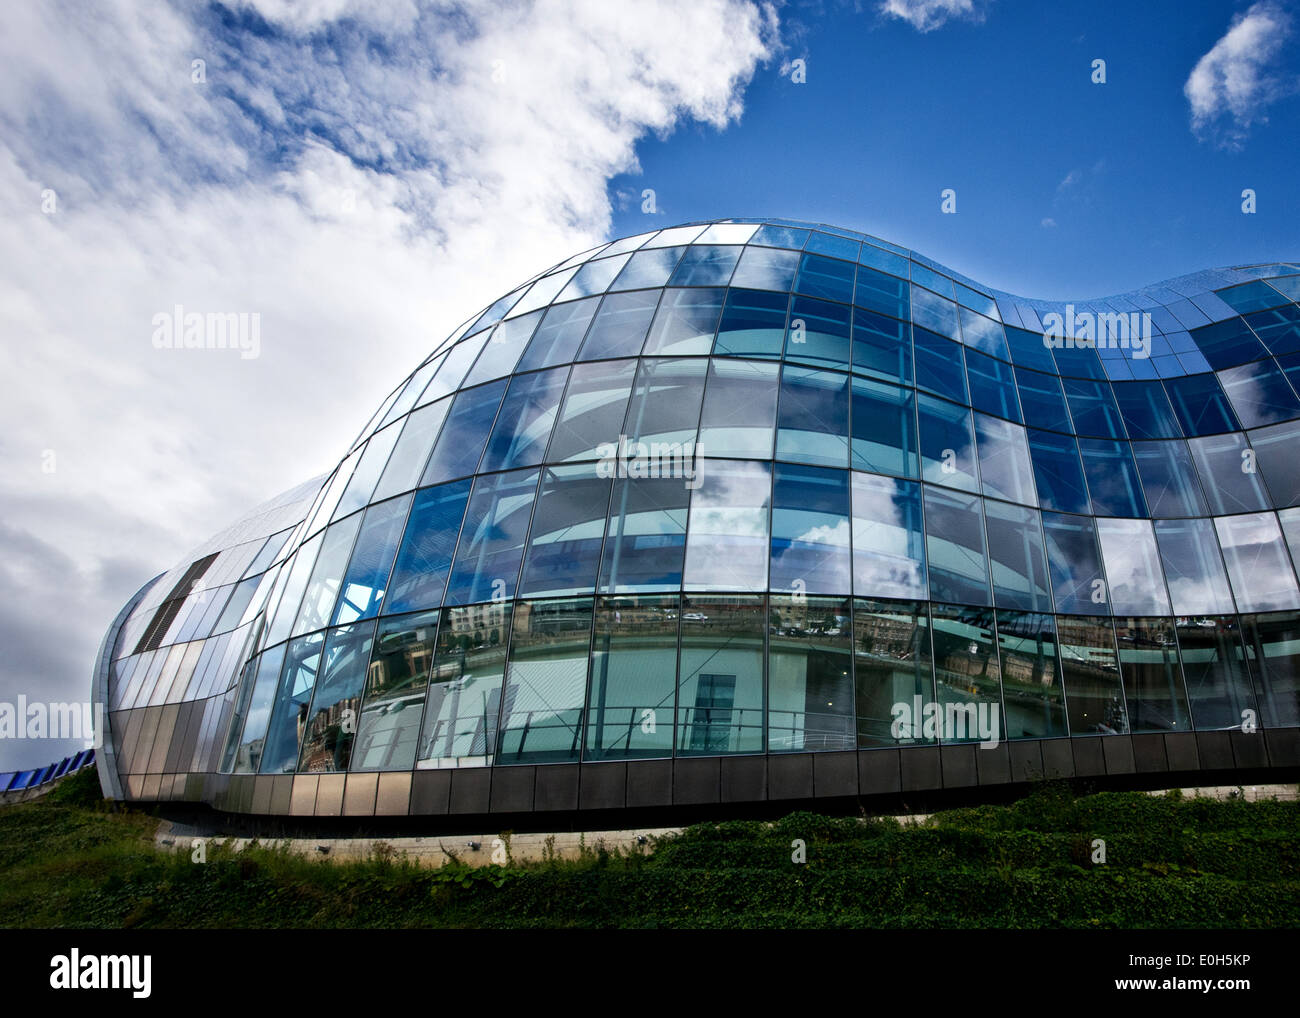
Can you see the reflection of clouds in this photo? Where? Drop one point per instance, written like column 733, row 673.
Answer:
column 1261, row 576
column 727, row 546
column 1128, row 549
column 1249, row 394
column 886, row 553
column 764, row 269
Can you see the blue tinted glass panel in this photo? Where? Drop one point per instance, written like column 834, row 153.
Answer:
column 882, row 347
column 301, row 664
column 567, row 531
column 1200, row 405
column 703, row 265
column 1028, row 350
column 888, row 538
column 645, row 542
column 420, row 572
column 1078, row 361
column 1016, row 557
column 1193, row 568
column 780, row 236
column 411, row 452
column 810, row 530
column 664, row 412
column 524, row 425
column 1227, row 343
column 492, row 538
column 1113, row 479
column 1259, row 393
column 1077, row 582
column 992, row 386
column 1250, row 297
column 753, row 324
column 1169, row 479
column 620, row 326
column 1093, row 408
column 813, row 417
column 1259, row 567
column 983, row 334
column 1134, row 579
column 739, row 414
column 594, row 407
column 934, row 313
column 1229, row 474
column 372, row 560
column 1279, row 329
column 1005, row 469
column 836, row 247
column 1146, row 410
column 466, row 433
column 818, row 333
column 947, row 443
column 763, row 268
column 954, row 546
column 825, row 277
column 940, row 365
column 1058, row 472
column 727, row 543
column 503, row 349
column 1275, row 453
column 557, row 339
column 685, row 322
column 886, row 295
column 647, row 268
column 884, row 429
column 1042, row 400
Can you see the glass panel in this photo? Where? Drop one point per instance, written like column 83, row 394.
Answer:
column 620, row 326
column 1192, row 566
column 465, row 434
column 372, row 559
column 739, row 416
column 810, row 530
column 293, row 578
column 720, row 675
column 420, row 573
column 1279, row 328
column 1112, row 478
column 1029, row 349
column 1273, row 649
column 992, row 386
column 882, row 347
column 1200, row 405
column 1260, row 394
column 558, row 337
column 703, row 265
column 593, row 410
column 568, row 529
column 289, row 713
column 727, row 541
column 940, row 365
column 594, row 277
column 326, row 578
column 766, row 269
column 1043, row 400
column 780, row 236
column 1146, row 410
column 647, row 268
column 645, row 544
column 1093, row 695
column 454, row 368
column 685, row 323
column 1005, row 469
column 1153, row 680
column 967, row 676
column 332, row 719
column 1169, row 479
column 884, row 429
column 894, row 678
column 412, row 450
column 947, row 443
column 1058, row 474
column 1017, row 557
column 502, row 351
column 934, row 313
column 633, row 678
column 1258, row 564
column 524, row 425
column 752, row 325
column 1031, row 676
column 1227, row 342
column 954, row 544
column 367, row 473
column 1093, row 408
column 1276, row 459
column 546, row 681
column 1214, row 666
column 813, row 417
column 1077, row 582
column 1229, row 473
column 810, row 677
column 983, row 334
column 665, row 408
column 492, row 538
column 1128, row 549
column 464, row 703
column 248, row 757
column 825, row 277
column 888, row 539
column 389, row 727
column 878, row 292
column 818, row 333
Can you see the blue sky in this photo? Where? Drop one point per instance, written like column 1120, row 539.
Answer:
column 364, row 175
column 1003, row 111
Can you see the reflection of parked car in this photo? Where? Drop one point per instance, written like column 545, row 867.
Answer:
column 695, row 617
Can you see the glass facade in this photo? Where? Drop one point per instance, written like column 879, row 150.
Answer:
column 765, row 488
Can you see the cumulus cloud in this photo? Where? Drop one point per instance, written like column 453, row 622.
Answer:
column 927, row 15
column 1231, row 85
column 362, row 176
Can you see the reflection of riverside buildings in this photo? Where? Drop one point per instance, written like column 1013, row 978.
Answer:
column 912, row 495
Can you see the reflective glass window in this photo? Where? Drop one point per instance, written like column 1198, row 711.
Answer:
column 882, row 347
column 648, row 267
column 780, row 236
column 464, row 699
column 1273, row 650
column 1017, row 557
column 685, row 323
column 465, row 434
column 1058, row 472
column 372, row 560
column 454, row 368
column 332, row 718
column 1078, row 361
column 420, row 572
column 838, row 247
column 503, row 350
column 706, row 265
column 884, row 429
column 1113, row 479
column 1200, row 405
column 594, row 406
column 523, row 427
column 825, row 277
column 1153, row 679
column 753, row 324
column 567, row 532
column 388, row 728
column 1133, row 576
column 739, row 414
column 366, row 476
column 557, row 339
column 1077, row 582
column 983, row 334
column 1169, row 479
column 720, row 675
column 594, row 277
column 954, row 545
column 327, row 577
column 1094, row 696
column 818, row 333
column 727, row 540
column 884, row 294
column 763, row 268
column 934, row 313
column 1193, row 568
column 645, row 542
column 967, row 674
column 247, row 756
column 1258, row 564
column 888, row 538
column 1032, row 690
column 546, row 681
column 893, row 672
column 1042, row 400
column 633, row 678
column 1092, row 408
column 1145, row 409
column 1275, row 455
column 810, row 674
column 810, row 530
column 1219, row 691
column 293, row 581
column 940, row 365
column 620, row 326
column 1005, row 468
column 947, row 443
column 1259, row 393
column 1279, row 329
column 289, row 712
column 411, row 452
column 492, row 538
column 1228, row 342
column 813, row 417
column 1229, row 474
column 665, row 408
column 1029, row 350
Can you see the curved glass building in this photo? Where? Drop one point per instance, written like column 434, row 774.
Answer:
column 754, row 511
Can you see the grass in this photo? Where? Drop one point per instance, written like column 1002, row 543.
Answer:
column 71, row 860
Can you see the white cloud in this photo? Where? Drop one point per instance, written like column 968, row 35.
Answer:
column 357, row 174
column 927, row 15
column 1231, row 85
column 1048, row 223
